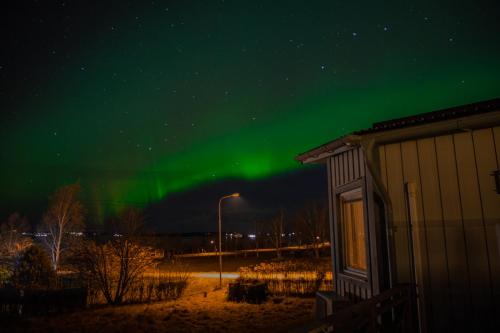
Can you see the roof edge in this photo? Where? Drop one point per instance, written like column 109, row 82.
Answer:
column 318, row 154
column 433, row 116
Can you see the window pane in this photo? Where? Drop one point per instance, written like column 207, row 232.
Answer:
column 354, row 234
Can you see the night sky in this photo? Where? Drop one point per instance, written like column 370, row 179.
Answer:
column 158, row 103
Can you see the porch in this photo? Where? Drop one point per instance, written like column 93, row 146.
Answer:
column 393, row 310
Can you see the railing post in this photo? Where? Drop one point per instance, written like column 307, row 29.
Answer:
column 373, row 315
column 412, row 309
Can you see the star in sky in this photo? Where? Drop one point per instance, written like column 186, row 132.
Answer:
column 302, row 69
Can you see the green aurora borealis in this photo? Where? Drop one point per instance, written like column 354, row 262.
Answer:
column 146, row 101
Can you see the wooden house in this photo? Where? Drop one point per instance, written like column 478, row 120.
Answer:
column 416, row 201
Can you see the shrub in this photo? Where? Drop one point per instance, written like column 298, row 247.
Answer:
column 12, row 245
column 5, row 273
column 247, row 291
column 33, row 270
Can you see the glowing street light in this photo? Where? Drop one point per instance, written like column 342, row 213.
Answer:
column 234, row 195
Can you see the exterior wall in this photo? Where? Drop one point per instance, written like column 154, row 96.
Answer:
column 347, row 167
column 346, row 171
column 443, row 186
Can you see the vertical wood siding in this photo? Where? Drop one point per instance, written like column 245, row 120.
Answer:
column 345, row 168
column 434, row 230
column 411, row 174
column 484, row 144
column 399, row 225
column 348, row 167
column 454, row 231
column 456, row 224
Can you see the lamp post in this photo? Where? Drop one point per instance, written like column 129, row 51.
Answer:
column 234, row 195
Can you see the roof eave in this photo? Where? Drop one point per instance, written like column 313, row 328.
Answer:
column 451, row 126
column 319, row 154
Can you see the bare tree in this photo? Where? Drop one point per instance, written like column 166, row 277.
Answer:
column 116, row 266
column 313, row 226
column 63, row 218
column 12, row 242
column 129, row 224
column 277, row 230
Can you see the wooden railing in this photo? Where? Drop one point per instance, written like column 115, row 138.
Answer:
column 391, row 311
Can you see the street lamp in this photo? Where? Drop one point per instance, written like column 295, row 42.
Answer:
column 234, row 195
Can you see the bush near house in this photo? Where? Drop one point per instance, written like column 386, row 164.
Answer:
column 33, row 288
column 247, row 291
column 33, row 270
column 29, row 302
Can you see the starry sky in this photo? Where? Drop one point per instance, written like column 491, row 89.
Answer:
column 144, row 101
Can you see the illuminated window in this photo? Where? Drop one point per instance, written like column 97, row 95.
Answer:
column 353, row 231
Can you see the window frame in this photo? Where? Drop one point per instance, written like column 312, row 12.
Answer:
column 352, row 193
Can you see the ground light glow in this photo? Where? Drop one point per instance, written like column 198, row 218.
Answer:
column 163, row 97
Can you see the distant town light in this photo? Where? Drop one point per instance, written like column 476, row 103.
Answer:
column 252, row 236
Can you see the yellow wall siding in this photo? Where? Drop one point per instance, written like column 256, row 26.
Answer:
column 493, row 231
column 474, row 227
column 457, row 222
column 454, row 230
column 412, row 176
column 436, row 240
column 395, row 188
column 486, row 162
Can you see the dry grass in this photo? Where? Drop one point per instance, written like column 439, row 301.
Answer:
column 291, row 277
column 191, row 313
column 151, row 286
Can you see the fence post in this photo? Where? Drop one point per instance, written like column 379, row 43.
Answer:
column 20, row 304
